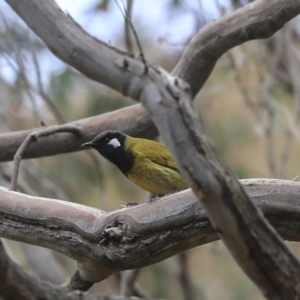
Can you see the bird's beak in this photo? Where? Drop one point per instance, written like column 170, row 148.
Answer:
column 88, row 144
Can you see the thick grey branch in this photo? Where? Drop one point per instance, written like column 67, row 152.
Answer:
column 93, row 58
column 67, row 40
column 248, row 236
column 104, row 243
column 253, row 242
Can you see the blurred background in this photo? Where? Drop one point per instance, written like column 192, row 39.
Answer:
column 250, row 107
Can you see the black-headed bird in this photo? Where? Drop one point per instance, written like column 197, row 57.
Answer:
column 146, row 163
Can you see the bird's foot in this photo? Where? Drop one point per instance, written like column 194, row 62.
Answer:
column 154, row 199
column 128, row 204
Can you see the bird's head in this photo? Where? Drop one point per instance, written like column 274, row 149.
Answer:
column 108, row 143
column 112, row 145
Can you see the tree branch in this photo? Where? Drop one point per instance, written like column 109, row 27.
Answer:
column 127, row 33
column 257, row 20
column 66, row 39
column 33, row 137
column 104, row 243
column 252, row 241
column 254, row 244
column 70, row 43
column 133, row 120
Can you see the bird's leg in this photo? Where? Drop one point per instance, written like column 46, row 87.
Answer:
column 153, row 199
column 128, row 204
column 158, row 197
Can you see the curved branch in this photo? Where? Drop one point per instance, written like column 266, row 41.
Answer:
column 104, row 243
column 244, row 230
column 70, row 43
column 91, row 57
column 33, row 137
column 252, row 241
column 258, row 20
column 133, row 120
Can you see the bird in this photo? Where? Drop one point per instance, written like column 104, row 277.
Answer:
column 146, row 163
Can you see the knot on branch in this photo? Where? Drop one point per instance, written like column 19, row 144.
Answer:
column 114, row 232
column 177, row 87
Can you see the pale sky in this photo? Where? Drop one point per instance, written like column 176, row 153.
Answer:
column 150, row 13
column 149, row 16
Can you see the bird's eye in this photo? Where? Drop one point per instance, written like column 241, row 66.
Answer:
column 106, row 140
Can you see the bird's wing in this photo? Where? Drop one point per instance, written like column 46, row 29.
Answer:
column 157, row 153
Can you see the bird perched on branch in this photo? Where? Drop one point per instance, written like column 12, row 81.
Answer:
column 146, row 163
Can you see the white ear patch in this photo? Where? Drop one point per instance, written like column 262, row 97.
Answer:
column 115, row 143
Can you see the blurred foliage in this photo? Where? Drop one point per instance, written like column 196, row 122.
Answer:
column 10, row 35
column 245, row 94
column 173, row 6
column 60, row 85
column 102, row 5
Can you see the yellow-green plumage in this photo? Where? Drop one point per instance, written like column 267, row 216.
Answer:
column 146, row 163
column 154, row 169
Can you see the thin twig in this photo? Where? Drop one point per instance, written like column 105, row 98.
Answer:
column 269, row 128
column 266, row 105
column 29, row 88
column 57, row 114
column 293, row 67
column 33, row 137
column 25, row 189
column 128, row 19
column 268, row 109
column 128, row 41
column 241, row 86
column 20, row 62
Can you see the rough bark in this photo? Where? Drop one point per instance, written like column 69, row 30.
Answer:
column 252, row 241
column 138, row 236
